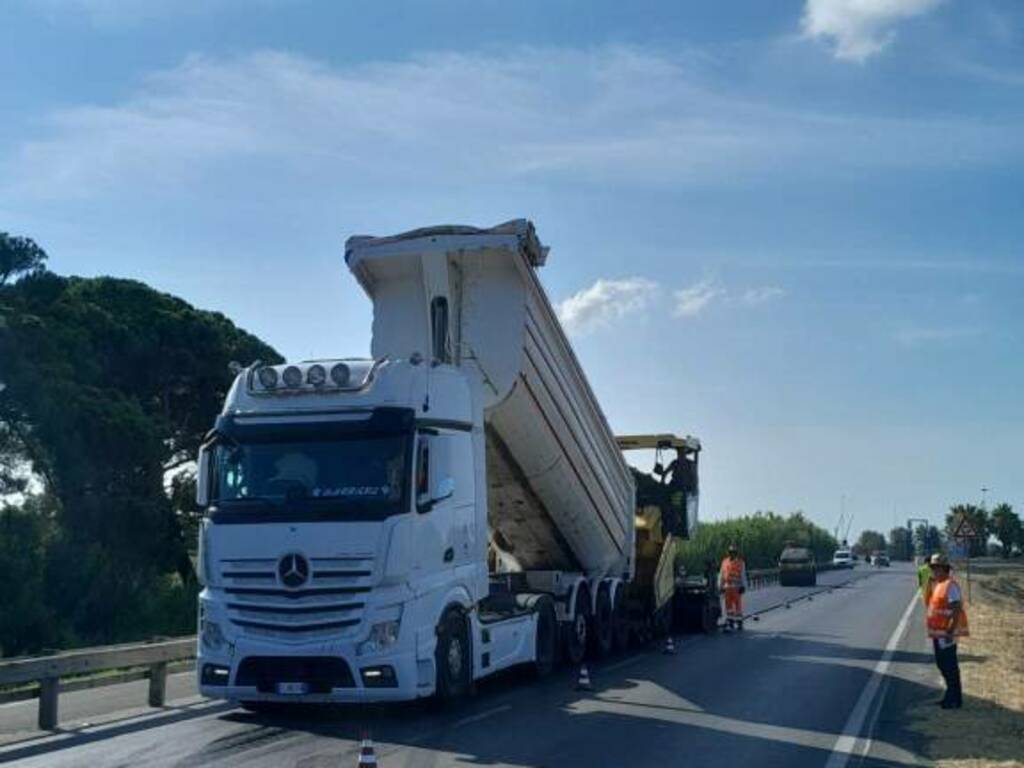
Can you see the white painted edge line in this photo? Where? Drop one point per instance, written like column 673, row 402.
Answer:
column 481, row 716
column 846, row 742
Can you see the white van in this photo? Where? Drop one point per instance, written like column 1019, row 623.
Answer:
column 842, row 559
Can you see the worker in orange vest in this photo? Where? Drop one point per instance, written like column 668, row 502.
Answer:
column 947, row 621
column 732, row 581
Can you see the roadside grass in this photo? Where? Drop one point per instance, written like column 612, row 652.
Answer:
column 989, row 731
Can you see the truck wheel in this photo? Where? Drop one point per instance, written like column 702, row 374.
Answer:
column 576, row 629
column 601, row 624
column 620, row 620
column 452, row 657
column 546, row 649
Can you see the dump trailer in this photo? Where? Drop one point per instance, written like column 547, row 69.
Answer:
column 402, row 526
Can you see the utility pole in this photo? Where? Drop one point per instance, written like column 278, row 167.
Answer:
column 842, row 518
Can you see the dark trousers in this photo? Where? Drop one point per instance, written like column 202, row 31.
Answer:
column 949, row 666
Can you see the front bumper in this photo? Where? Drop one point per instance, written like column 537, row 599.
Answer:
column 259, row 671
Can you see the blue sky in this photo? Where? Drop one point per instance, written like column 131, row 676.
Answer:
column 792, row 228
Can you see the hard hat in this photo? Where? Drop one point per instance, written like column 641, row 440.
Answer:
column 939, row 559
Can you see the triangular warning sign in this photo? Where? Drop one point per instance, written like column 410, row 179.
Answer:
column 963, row 529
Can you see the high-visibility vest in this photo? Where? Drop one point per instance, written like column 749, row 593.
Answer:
column 940, row 612
column 732, row 573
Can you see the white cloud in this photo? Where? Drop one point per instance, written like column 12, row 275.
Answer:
column 761, row 295
column 690, row 302
column 860, row 28
column 277, row 121
column 604, row 302
column 609, row 300
column 915, row 337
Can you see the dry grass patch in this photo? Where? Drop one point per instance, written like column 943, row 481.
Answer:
column 989, row 730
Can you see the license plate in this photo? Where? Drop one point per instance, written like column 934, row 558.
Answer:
column 292, row 689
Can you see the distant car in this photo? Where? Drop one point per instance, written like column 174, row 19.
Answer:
column 842, row 559
column 880, row 559
column 797, row 567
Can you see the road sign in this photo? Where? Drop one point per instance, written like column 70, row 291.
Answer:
column 958, row 549
column 963, row 529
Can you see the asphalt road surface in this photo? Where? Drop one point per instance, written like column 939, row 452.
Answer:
column 801, row 686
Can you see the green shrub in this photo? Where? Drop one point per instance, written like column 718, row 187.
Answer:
column 760, row 537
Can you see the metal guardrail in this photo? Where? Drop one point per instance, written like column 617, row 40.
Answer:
column 767, row 576
column 48, row 670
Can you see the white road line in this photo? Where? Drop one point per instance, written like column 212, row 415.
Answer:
column 846, row 742
column 481, row 716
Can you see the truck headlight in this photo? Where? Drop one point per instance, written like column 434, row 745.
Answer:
column 205, row 571
column 213, row 635
column 383, row 635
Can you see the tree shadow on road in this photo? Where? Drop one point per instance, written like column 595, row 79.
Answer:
column 68, row 737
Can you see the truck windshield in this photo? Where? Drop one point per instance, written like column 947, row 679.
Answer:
column 364, row 473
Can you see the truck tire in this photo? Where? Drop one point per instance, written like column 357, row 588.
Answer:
column 546, row 647
column 602, row 624
column 620, row 620
column 576, row 629
column 452, row 657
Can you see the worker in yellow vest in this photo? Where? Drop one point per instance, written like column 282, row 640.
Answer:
column 924, row 580
column 947, row 621
column 732, row 581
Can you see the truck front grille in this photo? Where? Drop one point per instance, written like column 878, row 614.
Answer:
column 329, row 604
column 320, row 673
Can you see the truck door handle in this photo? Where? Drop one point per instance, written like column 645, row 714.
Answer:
column 449, row 555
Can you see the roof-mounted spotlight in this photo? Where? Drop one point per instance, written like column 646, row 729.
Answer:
column 267, row 376
column 316, row 375
column 340, row 375
column 292, row 377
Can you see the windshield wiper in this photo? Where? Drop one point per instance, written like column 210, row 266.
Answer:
column 263, row 501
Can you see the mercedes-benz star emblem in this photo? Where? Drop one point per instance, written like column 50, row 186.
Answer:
column 293, row 570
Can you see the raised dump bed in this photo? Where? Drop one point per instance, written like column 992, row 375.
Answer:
column 560, row 496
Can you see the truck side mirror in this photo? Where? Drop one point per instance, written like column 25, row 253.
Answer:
column 203, row 476
column 659, row 469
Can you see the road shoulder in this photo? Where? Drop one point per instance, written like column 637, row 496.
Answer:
column 989, row 730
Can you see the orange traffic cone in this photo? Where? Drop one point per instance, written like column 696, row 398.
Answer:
column 367, row 757
column 670, row 645
column 583, row 681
